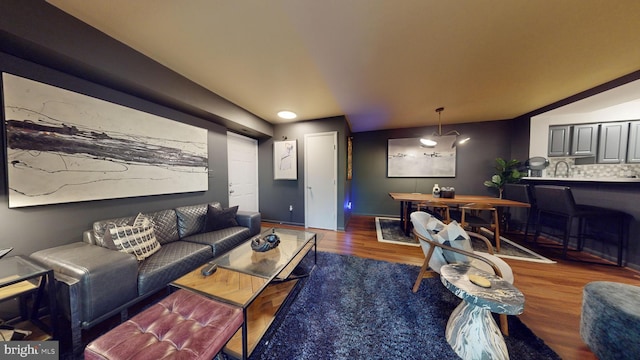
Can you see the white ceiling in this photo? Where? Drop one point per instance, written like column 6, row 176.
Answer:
column 382, row 63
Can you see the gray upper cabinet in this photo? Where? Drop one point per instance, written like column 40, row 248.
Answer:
column 559, row 140
column 584, row 140
column 612, row 147
column 633, row 152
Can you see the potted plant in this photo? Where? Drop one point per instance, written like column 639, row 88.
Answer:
column 506, row 172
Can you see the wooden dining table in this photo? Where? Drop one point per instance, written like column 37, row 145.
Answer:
column 407, row 199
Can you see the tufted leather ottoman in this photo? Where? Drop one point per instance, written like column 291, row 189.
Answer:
column 183, row 325
column 610, row 320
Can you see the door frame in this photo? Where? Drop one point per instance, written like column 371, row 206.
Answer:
column 307, row 161
column 257, row 185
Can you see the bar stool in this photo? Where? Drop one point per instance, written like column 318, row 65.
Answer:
column 558, row 201
column 521, row 193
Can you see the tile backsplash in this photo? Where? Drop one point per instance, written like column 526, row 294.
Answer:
column 589, row 170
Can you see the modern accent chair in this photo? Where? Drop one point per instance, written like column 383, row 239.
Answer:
column 449, row 243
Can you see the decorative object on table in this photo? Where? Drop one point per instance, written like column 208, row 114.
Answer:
column 447, row 192
column 436, row 191
column 63, row 146
column 285, row 160
column 507, row 172
column 270, row 241
column 406, row 157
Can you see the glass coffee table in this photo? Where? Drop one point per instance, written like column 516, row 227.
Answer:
column 258, row 282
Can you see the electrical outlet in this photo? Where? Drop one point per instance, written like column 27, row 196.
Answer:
column 290, row 207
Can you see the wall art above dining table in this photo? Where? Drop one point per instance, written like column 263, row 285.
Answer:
column 406, row 157
column 63, row 146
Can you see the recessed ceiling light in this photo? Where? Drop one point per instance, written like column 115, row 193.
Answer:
column 287, row 114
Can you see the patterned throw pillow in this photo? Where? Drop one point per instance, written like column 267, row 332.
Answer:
column 454, row 235
column 434, row 224
column 138, row 238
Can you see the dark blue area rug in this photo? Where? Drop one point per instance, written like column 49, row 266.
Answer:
column 355, row 308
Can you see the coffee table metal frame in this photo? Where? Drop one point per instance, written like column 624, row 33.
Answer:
column 244, row 274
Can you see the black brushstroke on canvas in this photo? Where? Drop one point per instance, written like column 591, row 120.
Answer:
column 27, row 135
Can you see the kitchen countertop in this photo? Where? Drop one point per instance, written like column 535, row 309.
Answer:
column 613, row 179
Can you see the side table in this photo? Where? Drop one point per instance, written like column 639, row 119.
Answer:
column 471, row 330
column 20, row 276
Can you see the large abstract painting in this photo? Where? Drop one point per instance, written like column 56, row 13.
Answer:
column 408, row 158
column 65, row 147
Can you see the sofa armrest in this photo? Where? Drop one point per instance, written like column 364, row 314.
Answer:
column 251, row 220
column 105, row 278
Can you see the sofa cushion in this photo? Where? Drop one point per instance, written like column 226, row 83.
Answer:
column 169, row 263
column 192, row 219
column 138, row 239
column 165, row 224
column 219, row 219
column 221, row 240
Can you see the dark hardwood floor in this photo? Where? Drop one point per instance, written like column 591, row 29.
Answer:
column 553, row 292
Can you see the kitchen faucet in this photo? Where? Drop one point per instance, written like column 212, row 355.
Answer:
column 555, row 170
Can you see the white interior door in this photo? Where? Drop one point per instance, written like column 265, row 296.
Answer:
column 242, row 155
column 320, row 178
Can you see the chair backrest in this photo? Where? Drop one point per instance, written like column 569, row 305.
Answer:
column 555, row 199
column 422, row 221
column 517, row 192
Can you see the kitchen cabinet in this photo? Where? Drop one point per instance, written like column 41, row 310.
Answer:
column 584, row 140
column 633, row 149
column 612, row 146
column 559, row 140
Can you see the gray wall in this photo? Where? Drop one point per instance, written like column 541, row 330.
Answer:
column 474, row 164
column 277, row 195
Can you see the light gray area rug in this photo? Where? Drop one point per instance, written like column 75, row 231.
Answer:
column 390, row 230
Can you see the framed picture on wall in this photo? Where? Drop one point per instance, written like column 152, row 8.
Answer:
column 408, row 158
column 64, row 146
column 285, row 160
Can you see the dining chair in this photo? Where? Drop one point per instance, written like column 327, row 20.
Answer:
column 437, row 208
column 559, row 203
column 521, row 193
column 477, row 215
column 442, row 244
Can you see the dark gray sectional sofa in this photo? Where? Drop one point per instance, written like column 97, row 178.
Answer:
column 96, row 282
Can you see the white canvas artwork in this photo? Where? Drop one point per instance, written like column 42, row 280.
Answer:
column 408, row 158
column 63, row 147
column 285, row 160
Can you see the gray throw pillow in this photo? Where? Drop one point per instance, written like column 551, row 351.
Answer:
column 220, row 219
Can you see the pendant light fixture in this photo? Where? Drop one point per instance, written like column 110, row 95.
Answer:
column 431, row 141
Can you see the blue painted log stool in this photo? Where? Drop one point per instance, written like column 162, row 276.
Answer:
column 610, row 320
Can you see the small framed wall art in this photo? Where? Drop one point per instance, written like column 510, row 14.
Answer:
column 285, row 160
